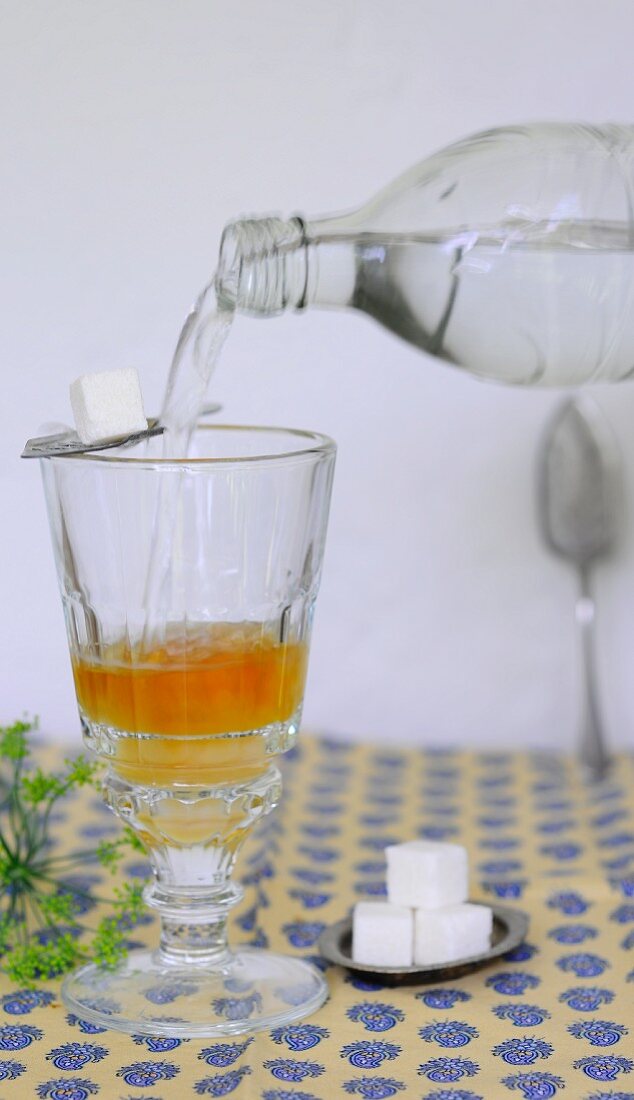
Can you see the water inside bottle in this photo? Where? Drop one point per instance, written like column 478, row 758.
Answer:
column 533, row 304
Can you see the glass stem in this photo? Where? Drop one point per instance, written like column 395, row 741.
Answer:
column 193, row 836
column 190, row 933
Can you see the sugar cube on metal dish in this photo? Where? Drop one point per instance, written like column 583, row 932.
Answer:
column 382, row 934
column 427, row 874
column 453, row 932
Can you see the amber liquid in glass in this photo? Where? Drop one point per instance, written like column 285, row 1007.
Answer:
column 188, row 707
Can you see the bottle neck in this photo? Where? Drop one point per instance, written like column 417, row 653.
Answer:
column 269, row 265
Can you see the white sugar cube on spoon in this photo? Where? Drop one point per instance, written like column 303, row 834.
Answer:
column 107, row 404
column 426, row 874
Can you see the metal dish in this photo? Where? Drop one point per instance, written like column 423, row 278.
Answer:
column 510, row 927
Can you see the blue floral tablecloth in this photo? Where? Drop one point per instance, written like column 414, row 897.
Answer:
column 554, row 1016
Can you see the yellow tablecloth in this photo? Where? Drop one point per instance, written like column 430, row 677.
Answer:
column 554, row 1015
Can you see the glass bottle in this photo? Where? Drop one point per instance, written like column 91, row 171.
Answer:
column 509, row 254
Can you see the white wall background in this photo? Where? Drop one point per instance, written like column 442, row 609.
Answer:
column 132, row 130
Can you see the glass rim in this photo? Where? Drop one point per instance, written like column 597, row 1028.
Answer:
column 317, row 444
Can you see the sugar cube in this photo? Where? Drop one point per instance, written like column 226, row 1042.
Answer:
column 426, row 874
column 107, row 404
column 454, row 932
column 382, row 934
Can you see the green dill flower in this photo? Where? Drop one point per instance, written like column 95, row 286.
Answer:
column 43, row 916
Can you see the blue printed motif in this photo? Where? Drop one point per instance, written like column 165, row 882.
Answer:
column 259, row 939
column 364, row 985
column 559, row 826
column 319, row 831
column 323, row 809
column 375, row 1016
column 369, row 1055
column 521, row 953
column 295, row 994
column 571, row 903
column 238, row 1008
column 18, row 1036
column 157, row 1044
column 303, row 933
column 76, row 887
column 599, row 1033
column 23, row 1001
column 247, row 921
column 389, row 760
column 521, row 1015
column 438, row 832
column 619, row 863
column 619, row 840
column 146, row 1074
column 609, row 818
column 370, row 867
column 490, row 782
column 557, row 806
column 84, row 1026
column 223, row 1054
column 98, row 830
column 453, row 1094
column 501, row 822
column 583, row 965
column 534, row 1086
column 442, row 998
column 316, row 960
column 65, row 1088
column 288, row 1069
column 373, row 1088
column 283, row 1094
column 299, row 1036
column 562, row 851
column 371, row 889
column 310, row 899
column 313, row 878
column 448, row 1069
column 448, row 1033
column 167, row 992
column 586, row 998
column 506, row 888
column 611, row 1096
column 74, row 1056
column 500, row 866
column 9, row 1069
column 222, row 1083
column 512, row 983
column 377, row 843
column 318, row 855
column 573, row 933
column 522, row 1052
column 604, row 1067
column 623, row 915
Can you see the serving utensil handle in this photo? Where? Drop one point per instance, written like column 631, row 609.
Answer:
column 592, row 750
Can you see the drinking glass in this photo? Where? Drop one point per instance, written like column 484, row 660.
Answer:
column 188, row 589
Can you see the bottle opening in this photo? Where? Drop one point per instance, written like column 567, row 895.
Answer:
column 262, row 266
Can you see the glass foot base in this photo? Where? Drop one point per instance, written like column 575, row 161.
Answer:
column 249, row 991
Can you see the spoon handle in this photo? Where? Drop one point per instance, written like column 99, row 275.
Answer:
column 592, row 750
